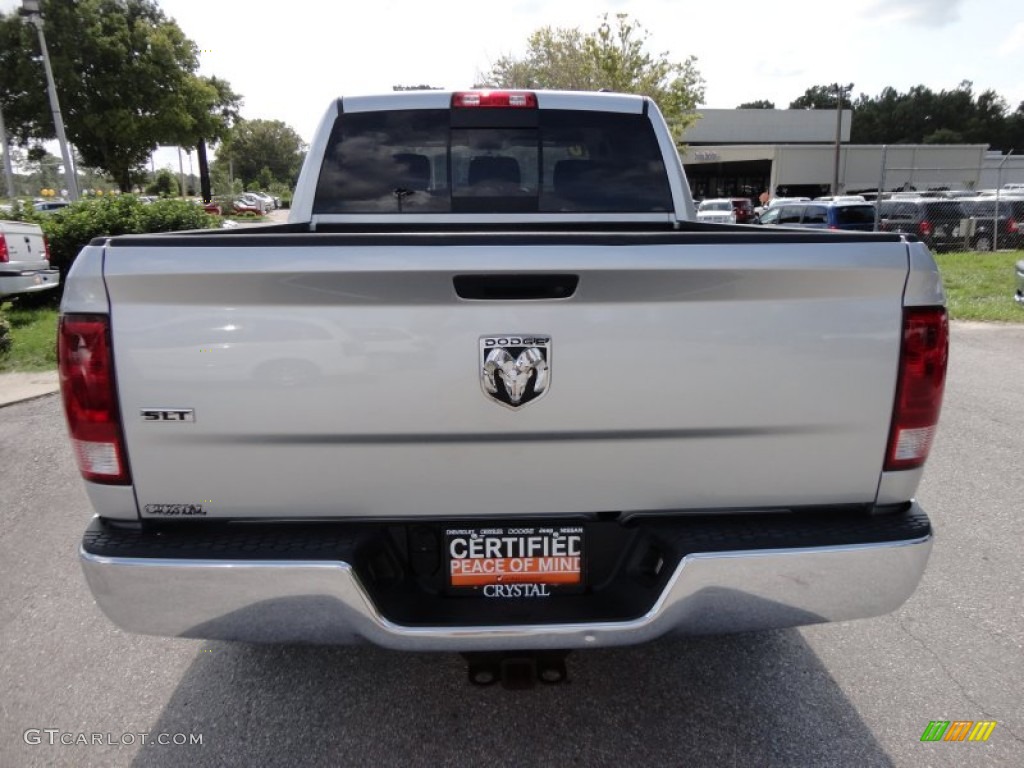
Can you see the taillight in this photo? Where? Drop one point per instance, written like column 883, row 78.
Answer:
column 90, row 399
column 1012, row 226
column 4, row 258
column 922, row 377
column 514, row 99
column 925, row 228
column 46, row 247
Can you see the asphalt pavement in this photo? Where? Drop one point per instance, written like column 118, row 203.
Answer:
column 852, row 694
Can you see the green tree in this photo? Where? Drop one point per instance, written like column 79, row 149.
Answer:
column 125, row 74
column 822, row 97
column 165, row 184
column 611, row 58
column 255, row 145
column 921, row 115
column 759, row 104
column 1015, row 129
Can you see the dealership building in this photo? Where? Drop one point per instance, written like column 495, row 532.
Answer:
column 792, row 152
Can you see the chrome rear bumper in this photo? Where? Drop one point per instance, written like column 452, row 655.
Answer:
column 324, row 602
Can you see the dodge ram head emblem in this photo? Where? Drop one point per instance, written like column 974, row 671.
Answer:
column 515, row 369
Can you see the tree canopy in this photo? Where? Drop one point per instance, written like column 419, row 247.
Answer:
column 759, row 104
column 822, row 97
column 613, row 57
column 262, row 152
column 924, row 116
column 125, row 76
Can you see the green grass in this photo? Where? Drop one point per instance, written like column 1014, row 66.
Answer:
column 33, row 337
column 979, row 286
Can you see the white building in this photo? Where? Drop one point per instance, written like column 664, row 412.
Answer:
column 790, row 152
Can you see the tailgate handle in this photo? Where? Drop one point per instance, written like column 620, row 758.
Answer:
column 518, row 287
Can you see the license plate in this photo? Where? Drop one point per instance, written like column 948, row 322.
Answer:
column 515, row 554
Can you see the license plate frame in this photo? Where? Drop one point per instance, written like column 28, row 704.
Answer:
column 479, row 558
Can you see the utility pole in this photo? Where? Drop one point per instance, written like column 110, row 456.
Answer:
column 181, row 172
column 32, row 11
column 204, row 172
column 841, row 90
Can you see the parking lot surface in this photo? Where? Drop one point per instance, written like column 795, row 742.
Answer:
column 858, row 694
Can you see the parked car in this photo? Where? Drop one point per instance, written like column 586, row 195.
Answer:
column 943, row 225
column 776, row 201
column 717, row 211
column 744, row 209
column 842, row 199
column 992, row 230
column 821, row 215
column 49, row 206
column 266, row 202
column 741, row 208
column 24, row 260
column 246, row 204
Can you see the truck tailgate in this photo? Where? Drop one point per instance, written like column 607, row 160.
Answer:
column 310, row 376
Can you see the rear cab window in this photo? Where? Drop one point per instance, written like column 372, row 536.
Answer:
column 492, row 161
column 898, row 211
column 854, row 214
column 945, row 211
column 987, row 208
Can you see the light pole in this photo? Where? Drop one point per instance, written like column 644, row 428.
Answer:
column 32, row 11
column 841, row 91
column 8, row 173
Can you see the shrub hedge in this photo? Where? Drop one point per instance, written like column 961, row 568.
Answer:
column 5, row 335
column 70, row 229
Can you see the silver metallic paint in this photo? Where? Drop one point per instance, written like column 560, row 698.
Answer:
column 786, row 352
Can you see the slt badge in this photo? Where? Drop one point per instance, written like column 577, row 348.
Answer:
column 515, row 369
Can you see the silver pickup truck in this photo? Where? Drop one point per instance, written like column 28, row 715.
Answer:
column 493, row 388
column 24, row 260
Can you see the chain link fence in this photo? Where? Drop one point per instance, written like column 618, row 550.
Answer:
column 950, row 207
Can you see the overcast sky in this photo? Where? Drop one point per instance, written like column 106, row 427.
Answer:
column 289, row 59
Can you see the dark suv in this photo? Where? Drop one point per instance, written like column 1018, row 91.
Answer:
column 1005, row 230
column 941, row 224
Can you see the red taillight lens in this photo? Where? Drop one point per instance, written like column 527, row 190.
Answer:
column 46, row 247
column 925, row 228
column 4, row 258
column 922, row 378
column 515, row 99
column 90, row 399
column 1012, row 225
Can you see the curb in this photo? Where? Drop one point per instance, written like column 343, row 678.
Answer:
column 19, row 387
column 4, row 402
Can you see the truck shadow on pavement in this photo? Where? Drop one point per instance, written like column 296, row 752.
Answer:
column 745, row 700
